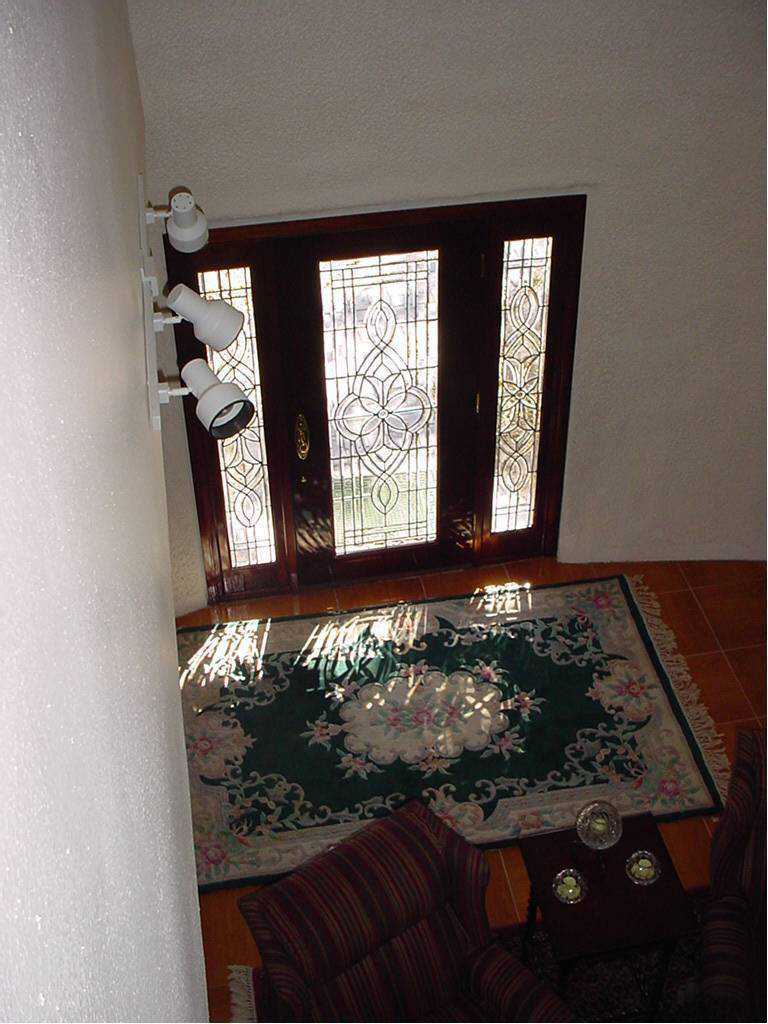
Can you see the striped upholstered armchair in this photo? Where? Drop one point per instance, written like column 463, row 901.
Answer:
column 733, row 962
column 390, row 925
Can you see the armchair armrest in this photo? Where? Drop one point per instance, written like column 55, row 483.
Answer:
column 508, row 990
column 737, row 857
column 282, row 994
column 727, row 964
column 469, row 877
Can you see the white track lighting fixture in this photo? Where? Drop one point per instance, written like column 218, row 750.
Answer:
column 222, row 407
column 185, row 222
column 215, row 322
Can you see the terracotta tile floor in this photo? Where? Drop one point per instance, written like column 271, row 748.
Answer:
column 717, row 611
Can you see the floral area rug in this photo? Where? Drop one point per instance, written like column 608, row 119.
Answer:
column 504, row 711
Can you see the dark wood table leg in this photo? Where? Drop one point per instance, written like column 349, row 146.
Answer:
column 530, row 926
column 657, row 989
column 564, row 969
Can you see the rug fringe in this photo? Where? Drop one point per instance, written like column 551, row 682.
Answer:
column 242, row 997
column 687, row 692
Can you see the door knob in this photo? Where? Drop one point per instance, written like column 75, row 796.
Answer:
column 301, row 435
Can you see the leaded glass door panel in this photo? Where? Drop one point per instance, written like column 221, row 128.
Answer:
column 380, row 330
column 385, row 397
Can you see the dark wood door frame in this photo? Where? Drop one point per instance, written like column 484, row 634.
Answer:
column 259, row 246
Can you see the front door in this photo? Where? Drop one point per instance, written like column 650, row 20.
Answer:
column 382, row 397
column 411, row 374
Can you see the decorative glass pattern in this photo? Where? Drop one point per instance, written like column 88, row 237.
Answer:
column 243, row 458
column 380, row 336
column 524, row 306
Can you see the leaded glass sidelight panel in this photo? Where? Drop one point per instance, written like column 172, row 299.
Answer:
column 243, row 458
column 524, row 307
column 380, row 323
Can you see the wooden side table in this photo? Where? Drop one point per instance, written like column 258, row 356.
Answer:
column 616, row 914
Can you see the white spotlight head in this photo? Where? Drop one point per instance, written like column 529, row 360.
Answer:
column 223, row 409
column 215, row 322
column 187, row 226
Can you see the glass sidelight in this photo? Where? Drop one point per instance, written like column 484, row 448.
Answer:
column 242, row 458
column 523, row 339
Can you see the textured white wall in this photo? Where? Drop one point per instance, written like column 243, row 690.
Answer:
column 654, row 108
column 99, row 914
column 187, row 573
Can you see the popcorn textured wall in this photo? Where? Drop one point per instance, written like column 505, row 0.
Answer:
column 97, row 881
column 656, row 110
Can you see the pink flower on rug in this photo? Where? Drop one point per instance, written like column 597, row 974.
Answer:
column 214, row 742
column 670, row 787
column 461, row 817
column 509, row 741
column 524, row 701
column 432, row 764
column 341, row 693
column 488, row 673
column 213, row 853
column 321, row 732
column 423, row 716
column 530, row 820
column 634, row 688
column 507, row 744
column 419, row 669
column 353, row 765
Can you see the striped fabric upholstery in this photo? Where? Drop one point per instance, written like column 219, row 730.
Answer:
column 733, row 961
column 469, row 879
column 462, row 1008
column 415, row 971
column 281, row 992
column 509, row 990
column 384, row 927
column 331, row 911
column 726, row 959
column 737, row 862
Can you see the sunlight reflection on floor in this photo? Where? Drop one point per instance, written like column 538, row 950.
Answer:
column 502, row 598
column 228, row 649
column 235, row 651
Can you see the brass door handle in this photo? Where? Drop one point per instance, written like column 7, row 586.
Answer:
column 301, row 436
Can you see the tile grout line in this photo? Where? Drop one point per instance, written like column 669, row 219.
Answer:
column 720, row 648
column 743, row 647
column 710, row 826
column 709, row 829
column 733, row 672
